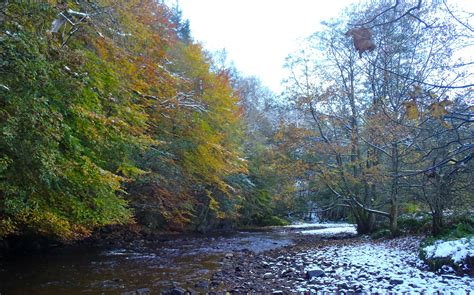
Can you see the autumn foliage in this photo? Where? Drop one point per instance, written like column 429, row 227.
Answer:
column 111, row 114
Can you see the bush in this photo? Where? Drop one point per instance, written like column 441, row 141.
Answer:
column 457, row 227
column 274, row 221
column 415, row 224
column 461, row 226
column 382, row 233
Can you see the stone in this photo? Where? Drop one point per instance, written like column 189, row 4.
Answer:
column 175, row 291
column 358, row 288
column 215, row 283
column 143, row 291
column 267, row 275
column 363, row 276
column 202, row 285
column 343, row 286
column 396, row 281
column 229, row 255
column 287, row 272
column 314, row 273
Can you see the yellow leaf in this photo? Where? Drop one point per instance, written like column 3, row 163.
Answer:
column 411, row 110
column 438, row 109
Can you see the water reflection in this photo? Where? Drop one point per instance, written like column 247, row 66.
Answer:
column 156, row 266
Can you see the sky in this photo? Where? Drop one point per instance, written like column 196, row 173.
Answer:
column 257, row 34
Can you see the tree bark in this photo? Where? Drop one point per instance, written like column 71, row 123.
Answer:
column 394, row 191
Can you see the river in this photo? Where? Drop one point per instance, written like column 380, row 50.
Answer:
column 156, row 266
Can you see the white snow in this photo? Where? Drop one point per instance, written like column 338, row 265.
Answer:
column 388, row 266
column 457, row 250
column 318, row 225
column 350, row 230
column 324, row 229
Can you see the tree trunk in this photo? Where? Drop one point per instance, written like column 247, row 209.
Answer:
column 394, row 219
column 364, row 220
column 437, row 225
column 394, row 191
column 439, row 201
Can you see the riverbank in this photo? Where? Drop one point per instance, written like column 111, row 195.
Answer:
column 298, row 258
column 339, row 265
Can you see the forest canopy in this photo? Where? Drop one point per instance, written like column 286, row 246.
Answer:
column 112, row 114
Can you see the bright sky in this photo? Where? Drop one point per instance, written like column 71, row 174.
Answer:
column 257, row 34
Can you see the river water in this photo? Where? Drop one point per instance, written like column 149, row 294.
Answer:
column 157, row 266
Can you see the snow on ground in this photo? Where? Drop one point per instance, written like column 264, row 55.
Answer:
column 457, row 250
column 324, row 229
column 331, row 231
column 317, row 225
column 378, row 267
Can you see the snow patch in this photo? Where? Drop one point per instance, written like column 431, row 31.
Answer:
column 457, row 250
column 324, row 229
column 350, row 230
column 386, row 267
column 318, row 225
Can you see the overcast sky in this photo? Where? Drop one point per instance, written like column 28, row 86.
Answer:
column 257, row 34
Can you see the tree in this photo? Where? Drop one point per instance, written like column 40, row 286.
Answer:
column 368, row 111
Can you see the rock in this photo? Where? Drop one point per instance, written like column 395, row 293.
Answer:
column 278, row 292
column 314, row 273
column 358, row 288
column 202, row 285
column 238, row 269
column 215, row 283
column 396, row 281
column 363, row 276
column 175, row 291
column 143, row 291
column 446, row 269
column 300, row 280
column 229, row 255
column 449, row 277
column 287, row 272
column 343, row 286
column 267, row 275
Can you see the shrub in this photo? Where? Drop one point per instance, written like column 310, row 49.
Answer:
column 414, row 224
